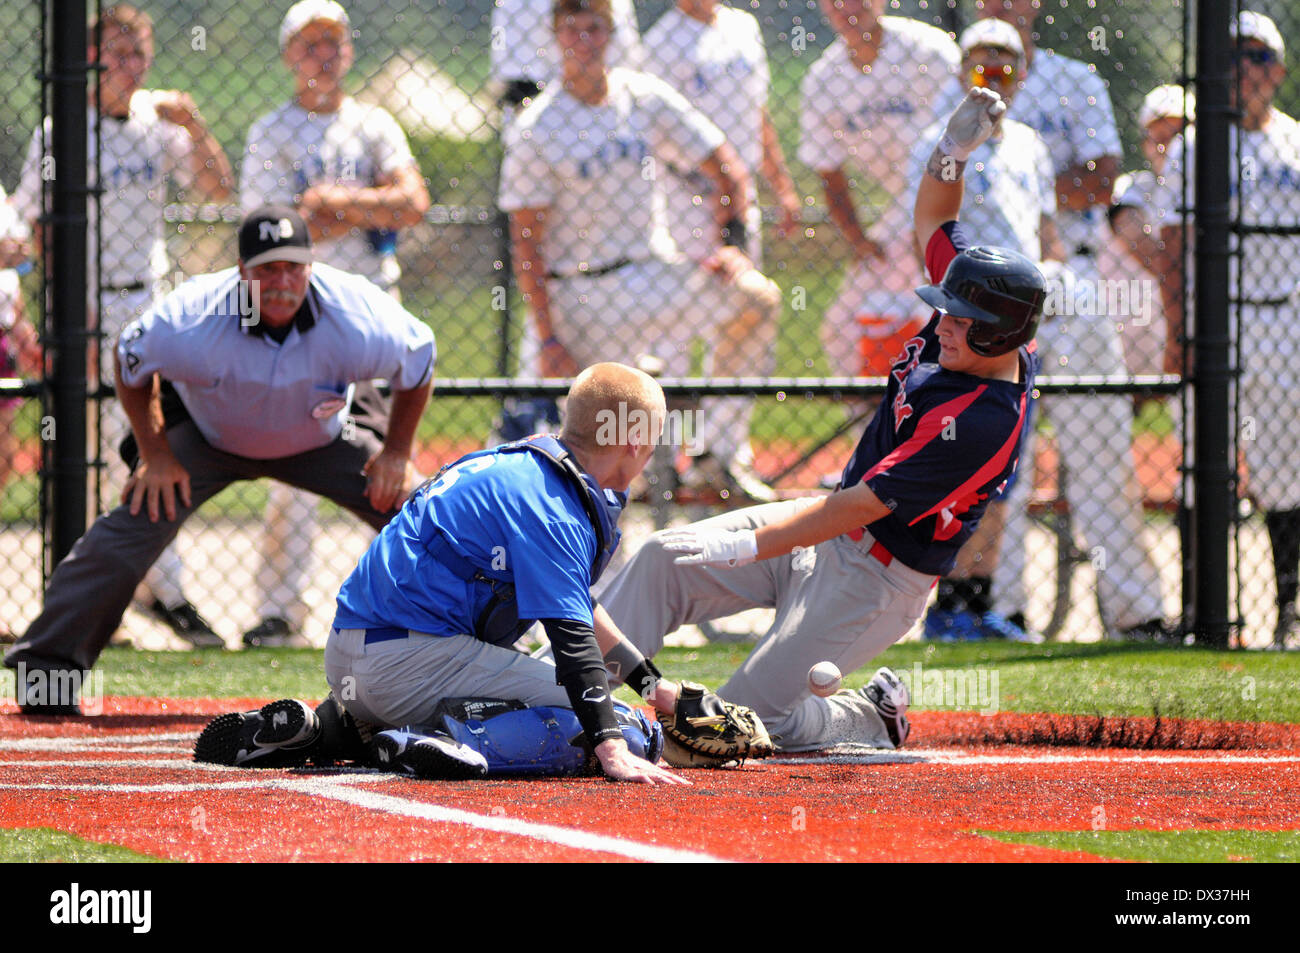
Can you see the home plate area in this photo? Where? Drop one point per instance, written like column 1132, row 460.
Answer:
column 127, row 778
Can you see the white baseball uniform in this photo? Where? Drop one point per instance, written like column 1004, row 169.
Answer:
column 289, row 150
column 136, row 156
column 618, row 285
column 1266, row 191
column 522, row 49
column 721, row 69
column 1066, row 102
column 865, row 122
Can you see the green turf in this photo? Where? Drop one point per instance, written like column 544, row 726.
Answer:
column 1195, row 847
column 1084, row 679
column 40, row 845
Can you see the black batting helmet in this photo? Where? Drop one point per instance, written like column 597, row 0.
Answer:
column 1001, row 290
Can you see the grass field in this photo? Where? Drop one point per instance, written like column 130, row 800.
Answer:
column 1106, row 679
column 1158, row 806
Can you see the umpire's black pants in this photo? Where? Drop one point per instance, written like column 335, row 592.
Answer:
column 94, row 584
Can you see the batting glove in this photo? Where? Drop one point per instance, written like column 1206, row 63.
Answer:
column 971, row 123
column 720, row 548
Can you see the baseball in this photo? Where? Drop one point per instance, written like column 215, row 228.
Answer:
column 824, row 679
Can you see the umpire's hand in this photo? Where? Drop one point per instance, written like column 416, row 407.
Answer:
column 156, row 481
column 389, row 479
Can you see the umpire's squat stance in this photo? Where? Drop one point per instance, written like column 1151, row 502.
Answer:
column 263, row 358
column 850, row 573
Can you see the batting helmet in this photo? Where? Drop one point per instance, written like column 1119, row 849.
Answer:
column 1001, row 290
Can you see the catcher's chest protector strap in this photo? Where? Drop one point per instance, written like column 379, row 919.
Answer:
column 603, row 506
column 544, row 741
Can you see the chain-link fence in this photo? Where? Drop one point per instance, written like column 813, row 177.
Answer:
column 534, row 230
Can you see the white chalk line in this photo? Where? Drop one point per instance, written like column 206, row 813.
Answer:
column 179, row 741
column 964, row 759
column 498, row 823
column 342, row 788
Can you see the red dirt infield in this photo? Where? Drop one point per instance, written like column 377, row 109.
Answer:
column 125, row 777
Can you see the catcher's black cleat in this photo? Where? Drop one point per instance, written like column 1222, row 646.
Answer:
column 434, row 756
column 245, row 738
column 287, row 723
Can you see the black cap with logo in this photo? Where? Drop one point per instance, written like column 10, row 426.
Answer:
column 273, row 233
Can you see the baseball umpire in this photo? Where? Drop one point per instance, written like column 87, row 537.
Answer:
column 425, row 624
column 263, row 359
column 850, row 573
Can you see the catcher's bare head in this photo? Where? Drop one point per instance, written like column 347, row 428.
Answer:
column 613, row 418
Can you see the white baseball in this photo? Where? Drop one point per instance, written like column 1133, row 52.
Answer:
column 824, row 679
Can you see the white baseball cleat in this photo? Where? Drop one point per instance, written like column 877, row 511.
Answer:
column 888, row 695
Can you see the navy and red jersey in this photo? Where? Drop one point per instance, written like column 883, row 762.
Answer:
column 942, row 443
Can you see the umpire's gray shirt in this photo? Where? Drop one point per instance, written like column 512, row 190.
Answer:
column 255, row 398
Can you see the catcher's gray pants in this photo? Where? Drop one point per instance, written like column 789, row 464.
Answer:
column 834, row 603
column 400, row 681
column 93, row 585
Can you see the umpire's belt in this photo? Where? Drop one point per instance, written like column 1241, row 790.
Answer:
column 592, row 272
column 129, row 286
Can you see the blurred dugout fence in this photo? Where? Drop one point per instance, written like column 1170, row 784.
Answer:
column 1100, row 547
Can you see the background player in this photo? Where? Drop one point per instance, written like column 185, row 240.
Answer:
column 882, row 82
column 20, row 351
column 524, row 59
column 1266, row 192
column 263, row 358
column 147, row 137
column 1066, row 102
column 850, row 573
column 592, row 253
column 348, row 170
column 713, row 55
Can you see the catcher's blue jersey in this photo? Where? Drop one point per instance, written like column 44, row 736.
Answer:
column 513, row 516
column 942, row 443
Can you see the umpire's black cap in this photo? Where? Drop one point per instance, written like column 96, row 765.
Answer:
column 274, row 233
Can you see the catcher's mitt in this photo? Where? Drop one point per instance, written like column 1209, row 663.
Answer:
column 706, row 732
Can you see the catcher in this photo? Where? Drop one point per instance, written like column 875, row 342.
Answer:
column 423, row 676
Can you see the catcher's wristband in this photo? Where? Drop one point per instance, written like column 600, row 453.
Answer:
column 644, row 679
column 626, row 664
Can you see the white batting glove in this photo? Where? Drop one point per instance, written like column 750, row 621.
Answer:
column 971, row 123
column 720, row 548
